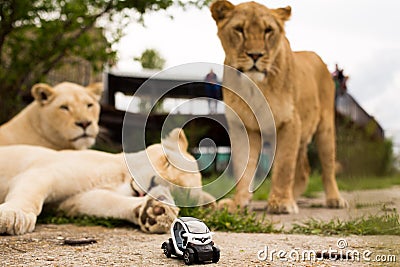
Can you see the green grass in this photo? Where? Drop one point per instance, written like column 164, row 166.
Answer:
column 367, row 182
column 379, row 224
column 217, row 220
column 51, row 217
column 345, row 184
column 384, row 223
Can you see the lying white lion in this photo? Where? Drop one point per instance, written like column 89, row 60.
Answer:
column 91, row 182
column 62, row 117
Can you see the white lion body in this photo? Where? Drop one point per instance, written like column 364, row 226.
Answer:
column 88, row 182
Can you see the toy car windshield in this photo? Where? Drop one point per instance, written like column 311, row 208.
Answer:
column 197, row 227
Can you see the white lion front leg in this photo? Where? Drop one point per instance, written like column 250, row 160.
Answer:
column 23, row 203
column 16, row 221
column 150, row 214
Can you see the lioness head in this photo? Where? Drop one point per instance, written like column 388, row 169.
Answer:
column 68, row 113
column 251, row 35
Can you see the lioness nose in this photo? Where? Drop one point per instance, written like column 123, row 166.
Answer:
column 83, row 124
column 255, row 55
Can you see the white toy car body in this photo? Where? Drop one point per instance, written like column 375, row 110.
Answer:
column 192, row 240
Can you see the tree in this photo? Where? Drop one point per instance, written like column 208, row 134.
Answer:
column 151, row 59
column 35, row 35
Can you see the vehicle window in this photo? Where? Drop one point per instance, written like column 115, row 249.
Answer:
column 197, row 227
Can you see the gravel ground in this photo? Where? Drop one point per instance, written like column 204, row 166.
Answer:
column 130, row 247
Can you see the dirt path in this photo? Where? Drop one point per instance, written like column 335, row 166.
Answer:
column 129, row 247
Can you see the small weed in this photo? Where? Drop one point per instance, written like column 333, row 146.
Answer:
column 374, row 204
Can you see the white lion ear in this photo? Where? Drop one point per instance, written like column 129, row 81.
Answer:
column 220, row 9
column 176, row 137
column 96, row 89
column 284, row 13
column 43, row 93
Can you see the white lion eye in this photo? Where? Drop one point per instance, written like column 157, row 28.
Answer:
column 64, row 107
column 90, row 105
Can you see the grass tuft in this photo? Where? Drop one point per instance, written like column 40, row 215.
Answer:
column 239, row 222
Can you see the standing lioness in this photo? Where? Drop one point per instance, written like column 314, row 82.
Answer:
column 300, row 92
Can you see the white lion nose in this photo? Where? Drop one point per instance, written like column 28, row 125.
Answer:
column 83, row 124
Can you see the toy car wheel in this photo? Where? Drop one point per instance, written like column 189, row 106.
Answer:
column 167, row 249
column 188, row 257
column 216, row 254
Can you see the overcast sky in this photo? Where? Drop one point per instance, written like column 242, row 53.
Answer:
column 362, row 36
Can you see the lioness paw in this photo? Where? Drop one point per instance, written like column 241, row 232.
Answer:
column 228, row 204
column 336, row 203
column 276, row 206
column 15, row 221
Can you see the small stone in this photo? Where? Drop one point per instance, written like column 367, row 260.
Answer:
column 50, row 258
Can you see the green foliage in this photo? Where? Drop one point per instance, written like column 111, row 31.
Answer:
column 358, row 150
column 361, row 154
column 222, row 220
column 380, row 224
column 151, row 59
column 36, row 35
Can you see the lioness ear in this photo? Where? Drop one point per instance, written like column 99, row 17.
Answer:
column 283, row 13
column 96, row 89
column 220, row 9
column 43, row 93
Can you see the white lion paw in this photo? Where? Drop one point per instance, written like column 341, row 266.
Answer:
column 14, row 221
column 154, row 215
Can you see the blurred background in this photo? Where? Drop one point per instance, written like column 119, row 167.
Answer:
column 122, row 43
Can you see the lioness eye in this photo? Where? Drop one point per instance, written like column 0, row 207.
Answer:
column 268, row 30
column 64, row 107
column 239, row 29
column 90, row 105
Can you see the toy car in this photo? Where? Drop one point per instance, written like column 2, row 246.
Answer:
column 191, row 240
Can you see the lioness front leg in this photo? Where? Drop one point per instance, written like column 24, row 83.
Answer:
column 325, row 138
column 245, row 160
column 281, row 199
column 149, row 212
